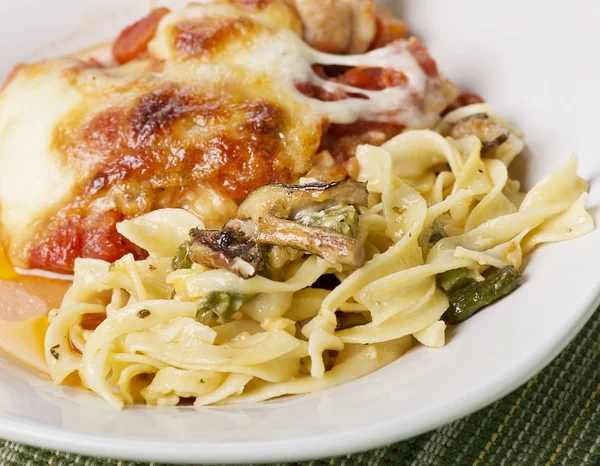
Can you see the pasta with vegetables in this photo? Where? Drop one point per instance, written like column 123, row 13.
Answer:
column 313, row 285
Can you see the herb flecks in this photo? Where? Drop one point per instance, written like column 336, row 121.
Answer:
column 54, row 353
column 182, row 260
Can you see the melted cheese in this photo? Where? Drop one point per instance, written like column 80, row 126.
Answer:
column 234, row 57
column 283, row 55
column 32, row 178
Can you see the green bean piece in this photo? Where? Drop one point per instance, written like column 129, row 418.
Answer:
column 341, row 218
column 456, row 279
column 182, row 260
column 467, row 301
column 219, row 306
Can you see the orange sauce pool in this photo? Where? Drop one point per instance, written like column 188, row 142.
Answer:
column 25, row 301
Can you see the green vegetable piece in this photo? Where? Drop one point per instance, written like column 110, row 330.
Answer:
column 219, row 306
column 468, row 300
column 435, row 237
column 437, row 234
column 182, row 260
column 265, row 270
column 454, row 279
column 341, row 218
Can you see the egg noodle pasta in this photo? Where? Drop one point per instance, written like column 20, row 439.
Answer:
column 171, row 328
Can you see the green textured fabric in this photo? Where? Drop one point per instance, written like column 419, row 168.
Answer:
column 554, row 419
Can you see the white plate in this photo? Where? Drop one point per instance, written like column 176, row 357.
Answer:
column 535, row 61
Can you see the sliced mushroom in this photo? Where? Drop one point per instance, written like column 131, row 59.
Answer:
column 227, row 249
column 284, row 201
column 265, row 215
column 488, row 131
column 265, row 218
column 328, row 244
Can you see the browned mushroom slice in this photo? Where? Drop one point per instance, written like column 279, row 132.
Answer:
column 265, row 215
column 330, row 245
column 325, row 225
column 227, row 249
column 488, row 131
column 284, row 201
column 323, row 242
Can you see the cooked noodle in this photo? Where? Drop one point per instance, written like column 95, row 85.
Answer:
column 286, row 337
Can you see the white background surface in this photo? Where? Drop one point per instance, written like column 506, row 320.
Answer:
column 535, row 61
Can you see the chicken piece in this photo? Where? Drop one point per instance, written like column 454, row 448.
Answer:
column 338, row 26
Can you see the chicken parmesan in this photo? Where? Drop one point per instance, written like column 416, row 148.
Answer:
column 195, row 109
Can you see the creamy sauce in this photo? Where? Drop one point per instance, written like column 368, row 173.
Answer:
column 24, row 304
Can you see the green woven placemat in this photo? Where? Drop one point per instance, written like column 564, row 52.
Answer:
column 554, row 419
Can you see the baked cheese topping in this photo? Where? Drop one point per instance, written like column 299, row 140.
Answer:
column 217, row 107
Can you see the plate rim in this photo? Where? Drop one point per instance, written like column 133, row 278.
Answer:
column 350, row 440
column 347, row 442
